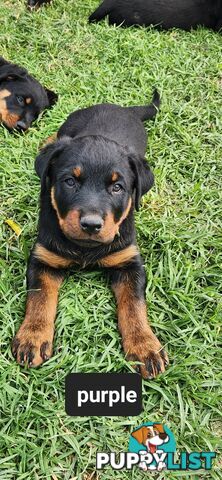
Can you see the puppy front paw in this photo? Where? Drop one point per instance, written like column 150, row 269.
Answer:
column 147, row 350
column 32, row 348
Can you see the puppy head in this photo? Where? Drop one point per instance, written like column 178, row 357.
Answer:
column 92, row 183
column 151, row 436
column 22, row 97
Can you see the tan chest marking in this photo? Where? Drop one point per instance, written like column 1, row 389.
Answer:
column 119, row 258
column 50, row 258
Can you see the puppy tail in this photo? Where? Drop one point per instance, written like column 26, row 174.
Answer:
column 150, row 111
column 100, row 12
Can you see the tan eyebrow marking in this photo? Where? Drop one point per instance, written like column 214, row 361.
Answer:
column 77, row 172
column 28, row 100
column 115, row 176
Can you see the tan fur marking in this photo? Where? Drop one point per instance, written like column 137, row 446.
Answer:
column 77, row 172
column 70, row 225
column 4, row 94
column 28, row 100
column 49, row 140
column 139, row 342
column 119, row 258
column 54, row 204
column 35, row 335
column 51, row 258
column 111, row 228
column 8, row 118
column 115, row 176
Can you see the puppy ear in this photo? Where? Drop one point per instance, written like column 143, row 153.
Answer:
column 140, row 435
column 144, row 178
column 52, row 96
column 9, row 71
column 159, row 427
column 46, row 155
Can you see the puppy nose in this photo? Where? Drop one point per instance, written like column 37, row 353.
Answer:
column 91, row 223
column 21, row 125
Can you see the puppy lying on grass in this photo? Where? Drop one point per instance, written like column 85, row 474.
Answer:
column 185, row 14
column 22, row 97
column 92, row 178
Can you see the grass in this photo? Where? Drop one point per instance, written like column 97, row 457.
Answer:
column 179, row 234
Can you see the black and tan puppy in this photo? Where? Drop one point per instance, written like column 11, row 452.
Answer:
column 185, row 14
column 22, row 97
column 92, row 177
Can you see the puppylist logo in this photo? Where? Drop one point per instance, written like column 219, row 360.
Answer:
column 152, row 447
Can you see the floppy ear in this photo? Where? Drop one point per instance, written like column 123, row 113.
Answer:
column 159, row 427
column 52, row 96
column 46, row 155
column 9, row 71
column 140, row 435
column 144, row 178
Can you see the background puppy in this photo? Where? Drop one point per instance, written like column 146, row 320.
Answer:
column 163, row 13
column 91, row 179
column 22, row 97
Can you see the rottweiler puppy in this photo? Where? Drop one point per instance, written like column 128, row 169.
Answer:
column 92, row 177
column 185, row 14
column 22, row 97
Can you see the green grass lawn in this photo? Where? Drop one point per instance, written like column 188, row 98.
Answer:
column 179, row 234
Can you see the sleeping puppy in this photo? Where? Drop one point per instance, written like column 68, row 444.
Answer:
column 185, row 14
column 22, row 97
column 92, row 177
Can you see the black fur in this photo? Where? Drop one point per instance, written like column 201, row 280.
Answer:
column 15, row 113
column 185, row 14
column 100, row 139
column 37, row 3
column 95, row 171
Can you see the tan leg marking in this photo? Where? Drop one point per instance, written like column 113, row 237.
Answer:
column 139, row 342
column 33, row 342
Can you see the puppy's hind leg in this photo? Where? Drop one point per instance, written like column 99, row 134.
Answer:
column 103, row 10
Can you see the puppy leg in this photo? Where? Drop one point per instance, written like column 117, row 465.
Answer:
column 139, row 342
column 33, row 342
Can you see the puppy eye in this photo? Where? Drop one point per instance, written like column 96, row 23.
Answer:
column 70, row 182
column 116, row 188
column 20, row 100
